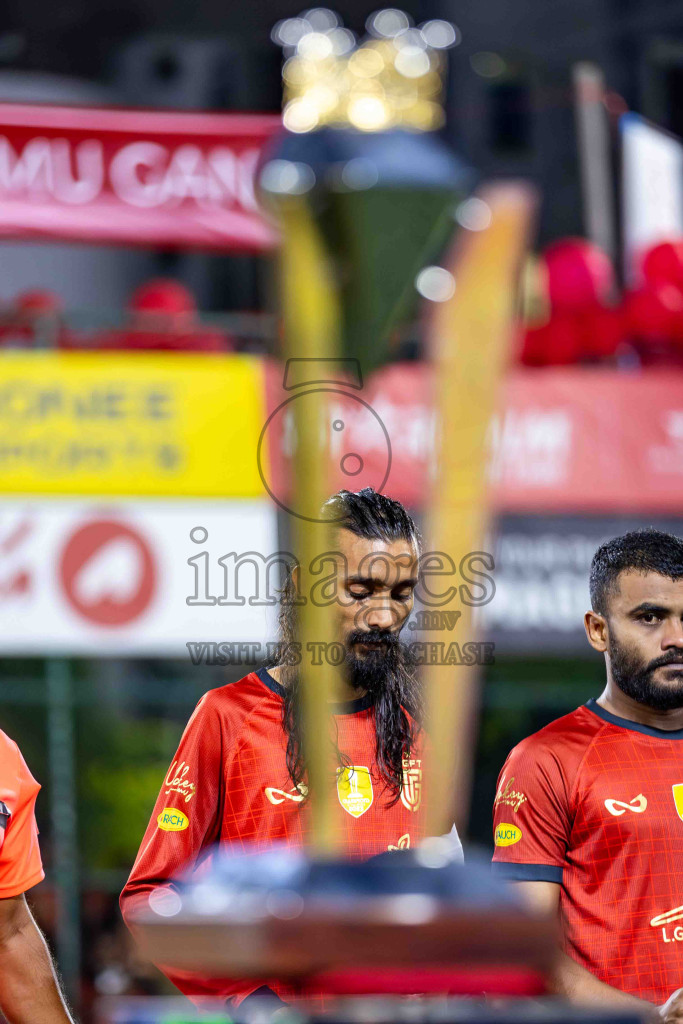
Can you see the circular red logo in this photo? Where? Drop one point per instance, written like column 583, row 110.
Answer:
column 107, row 573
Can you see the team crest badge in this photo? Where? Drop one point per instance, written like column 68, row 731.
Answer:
column 411, row 791
column 678, row 798
column 354, row 789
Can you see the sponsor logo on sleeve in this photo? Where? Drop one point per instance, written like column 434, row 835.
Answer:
column 618, row 807
column 172, row 820
column 507, row 795
column 507, row 834
column 178, row 782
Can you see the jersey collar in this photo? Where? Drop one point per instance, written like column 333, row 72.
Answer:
column 626, row 723
column 346, row 707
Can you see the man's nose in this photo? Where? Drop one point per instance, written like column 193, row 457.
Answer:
column 673, row 635
column 380, row 614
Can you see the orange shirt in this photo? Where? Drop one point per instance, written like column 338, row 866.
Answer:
column 20, row 864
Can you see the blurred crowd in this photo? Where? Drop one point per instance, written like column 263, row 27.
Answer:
column 161, row 316
column 575, row 313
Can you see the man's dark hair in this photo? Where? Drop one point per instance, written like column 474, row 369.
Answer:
column 371, row 515
column 646, row 550
column 376, row 517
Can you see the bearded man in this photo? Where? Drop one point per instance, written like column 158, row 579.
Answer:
column 239, row 774
column 588, row 815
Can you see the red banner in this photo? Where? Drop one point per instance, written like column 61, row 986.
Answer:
column 565, row 440
column 132, row 177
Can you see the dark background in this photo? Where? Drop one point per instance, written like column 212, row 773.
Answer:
column 518, row 120
column 510, row 103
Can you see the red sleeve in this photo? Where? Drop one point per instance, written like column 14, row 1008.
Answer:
column 20, row 863
column 185, row 823
column 531, row 813
column 186, row 814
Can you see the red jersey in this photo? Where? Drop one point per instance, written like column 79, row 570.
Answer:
column 228, row 783
column 595, row 803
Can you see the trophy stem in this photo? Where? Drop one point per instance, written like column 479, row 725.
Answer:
column 312, row 330
column 469, row 340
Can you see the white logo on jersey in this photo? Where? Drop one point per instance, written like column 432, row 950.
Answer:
column 278, row 796
column 671, row 915
column 664, row 921
column 618, row 807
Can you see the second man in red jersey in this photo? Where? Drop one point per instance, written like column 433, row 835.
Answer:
column 588, row 816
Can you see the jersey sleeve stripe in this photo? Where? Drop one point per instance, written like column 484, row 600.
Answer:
column 527, row 872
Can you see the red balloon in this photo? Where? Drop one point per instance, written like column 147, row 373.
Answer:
column 652, row 312
column 532, row 347
column 602, row 331
column 580, row 275
column 663, row 263
column 557, row 343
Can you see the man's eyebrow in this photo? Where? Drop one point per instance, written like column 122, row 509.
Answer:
column 648, row 606
column 370, row 581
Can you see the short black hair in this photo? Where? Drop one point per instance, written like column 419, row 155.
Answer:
column 372, row 515
column 646, row 550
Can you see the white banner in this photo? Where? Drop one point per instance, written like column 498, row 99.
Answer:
column 80, row 577
column 652, row 189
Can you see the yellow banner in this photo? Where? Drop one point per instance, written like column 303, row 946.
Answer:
column 130, row 424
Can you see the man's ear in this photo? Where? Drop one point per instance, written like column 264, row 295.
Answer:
column 596, row 630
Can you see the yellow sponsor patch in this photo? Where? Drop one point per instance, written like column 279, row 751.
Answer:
column 172, row 820
column 507, row 834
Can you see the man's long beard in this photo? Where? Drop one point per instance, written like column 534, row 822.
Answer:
column 376, row 671
column 634, row 677
column 388, row 675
